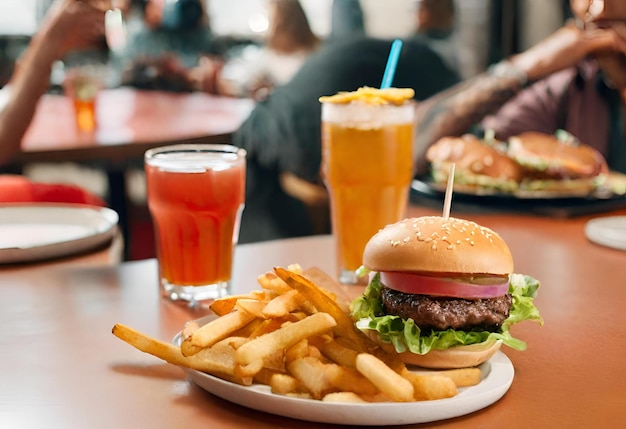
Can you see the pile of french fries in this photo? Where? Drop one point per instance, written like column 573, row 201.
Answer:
column 300, row 340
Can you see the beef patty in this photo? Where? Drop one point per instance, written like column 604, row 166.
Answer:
column 440, row 313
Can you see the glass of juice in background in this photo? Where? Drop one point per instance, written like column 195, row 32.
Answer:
column 367, row 165
column 82, row 84
column 196, row 195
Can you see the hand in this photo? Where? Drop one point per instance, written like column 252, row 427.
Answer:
column 613, row 63
column 564, row 48
column 206, row 75
column 71, row 25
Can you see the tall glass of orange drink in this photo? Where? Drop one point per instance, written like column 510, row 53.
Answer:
column 367, row 165
column 196, row 196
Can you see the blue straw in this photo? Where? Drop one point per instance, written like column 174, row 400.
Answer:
column 392, row 62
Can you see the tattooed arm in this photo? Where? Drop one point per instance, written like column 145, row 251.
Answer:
column 454, row 111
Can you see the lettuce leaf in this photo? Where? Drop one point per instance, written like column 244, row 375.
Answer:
column 367, row 310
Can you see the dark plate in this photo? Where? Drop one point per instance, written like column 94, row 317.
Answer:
column 537, row 202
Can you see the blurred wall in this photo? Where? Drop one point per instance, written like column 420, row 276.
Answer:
column 539, row 19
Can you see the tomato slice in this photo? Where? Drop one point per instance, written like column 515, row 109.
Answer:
column 442, row 286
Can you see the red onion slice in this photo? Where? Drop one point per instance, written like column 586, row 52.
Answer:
column 442, row 286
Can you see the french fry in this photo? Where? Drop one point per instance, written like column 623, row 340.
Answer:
column 269, row 281
column 323, row 303
column 251, row 306
column 283, row 384
column 462, row 377
column 231, row 342
column 220, row 328
column 430, row 387
column 265, row 376
column 249, row 370
column 219, row 364
column 283, row 304
column 268, row 325
column 310, row 373
column 349, row 380
column 343, row 397
column 325, row 282
column 190, row 327
column 283, row 338
column 222, row 306
column 339, row 354
column 275, row 361
column 386, row 379
column 187, row 348
column 297, row 351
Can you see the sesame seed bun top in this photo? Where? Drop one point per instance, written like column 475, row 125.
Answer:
column 433, row 244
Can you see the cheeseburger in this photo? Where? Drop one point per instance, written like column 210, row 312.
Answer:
column 442, row 292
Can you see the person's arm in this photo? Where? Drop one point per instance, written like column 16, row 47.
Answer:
column 69, row 25
column 453, row 112
column 613, row 64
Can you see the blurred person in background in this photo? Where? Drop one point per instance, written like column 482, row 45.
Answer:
column 174, row 38
column 347, row 19
column 289, row 42
column 435, row 25
column 69, row 26
column 574, row 80
column 283, row 133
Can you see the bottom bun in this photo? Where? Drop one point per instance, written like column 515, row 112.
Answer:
column 454, row 357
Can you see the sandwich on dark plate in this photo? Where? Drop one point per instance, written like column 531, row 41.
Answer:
column 528, row 164
column 557, row 163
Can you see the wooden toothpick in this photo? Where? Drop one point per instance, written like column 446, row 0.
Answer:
column 448, row 198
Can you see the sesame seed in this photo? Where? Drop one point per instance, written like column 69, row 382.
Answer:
column 451, row 246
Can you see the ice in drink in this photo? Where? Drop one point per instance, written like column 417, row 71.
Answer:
column 367, row 165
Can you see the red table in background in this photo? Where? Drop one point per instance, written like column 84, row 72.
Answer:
column 129, row 122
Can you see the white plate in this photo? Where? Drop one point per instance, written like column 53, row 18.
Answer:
column 497, row 376
column 608, row 231
column 32, row 232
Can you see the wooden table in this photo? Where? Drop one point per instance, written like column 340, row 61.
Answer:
column 60, row 365
column 130, row 121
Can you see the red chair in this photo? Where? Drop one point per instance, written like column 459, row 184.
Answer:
column 19, row 189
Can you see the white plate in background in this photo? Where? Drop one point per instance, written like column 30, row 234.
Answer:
column 607, row 231
column 33, row 232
